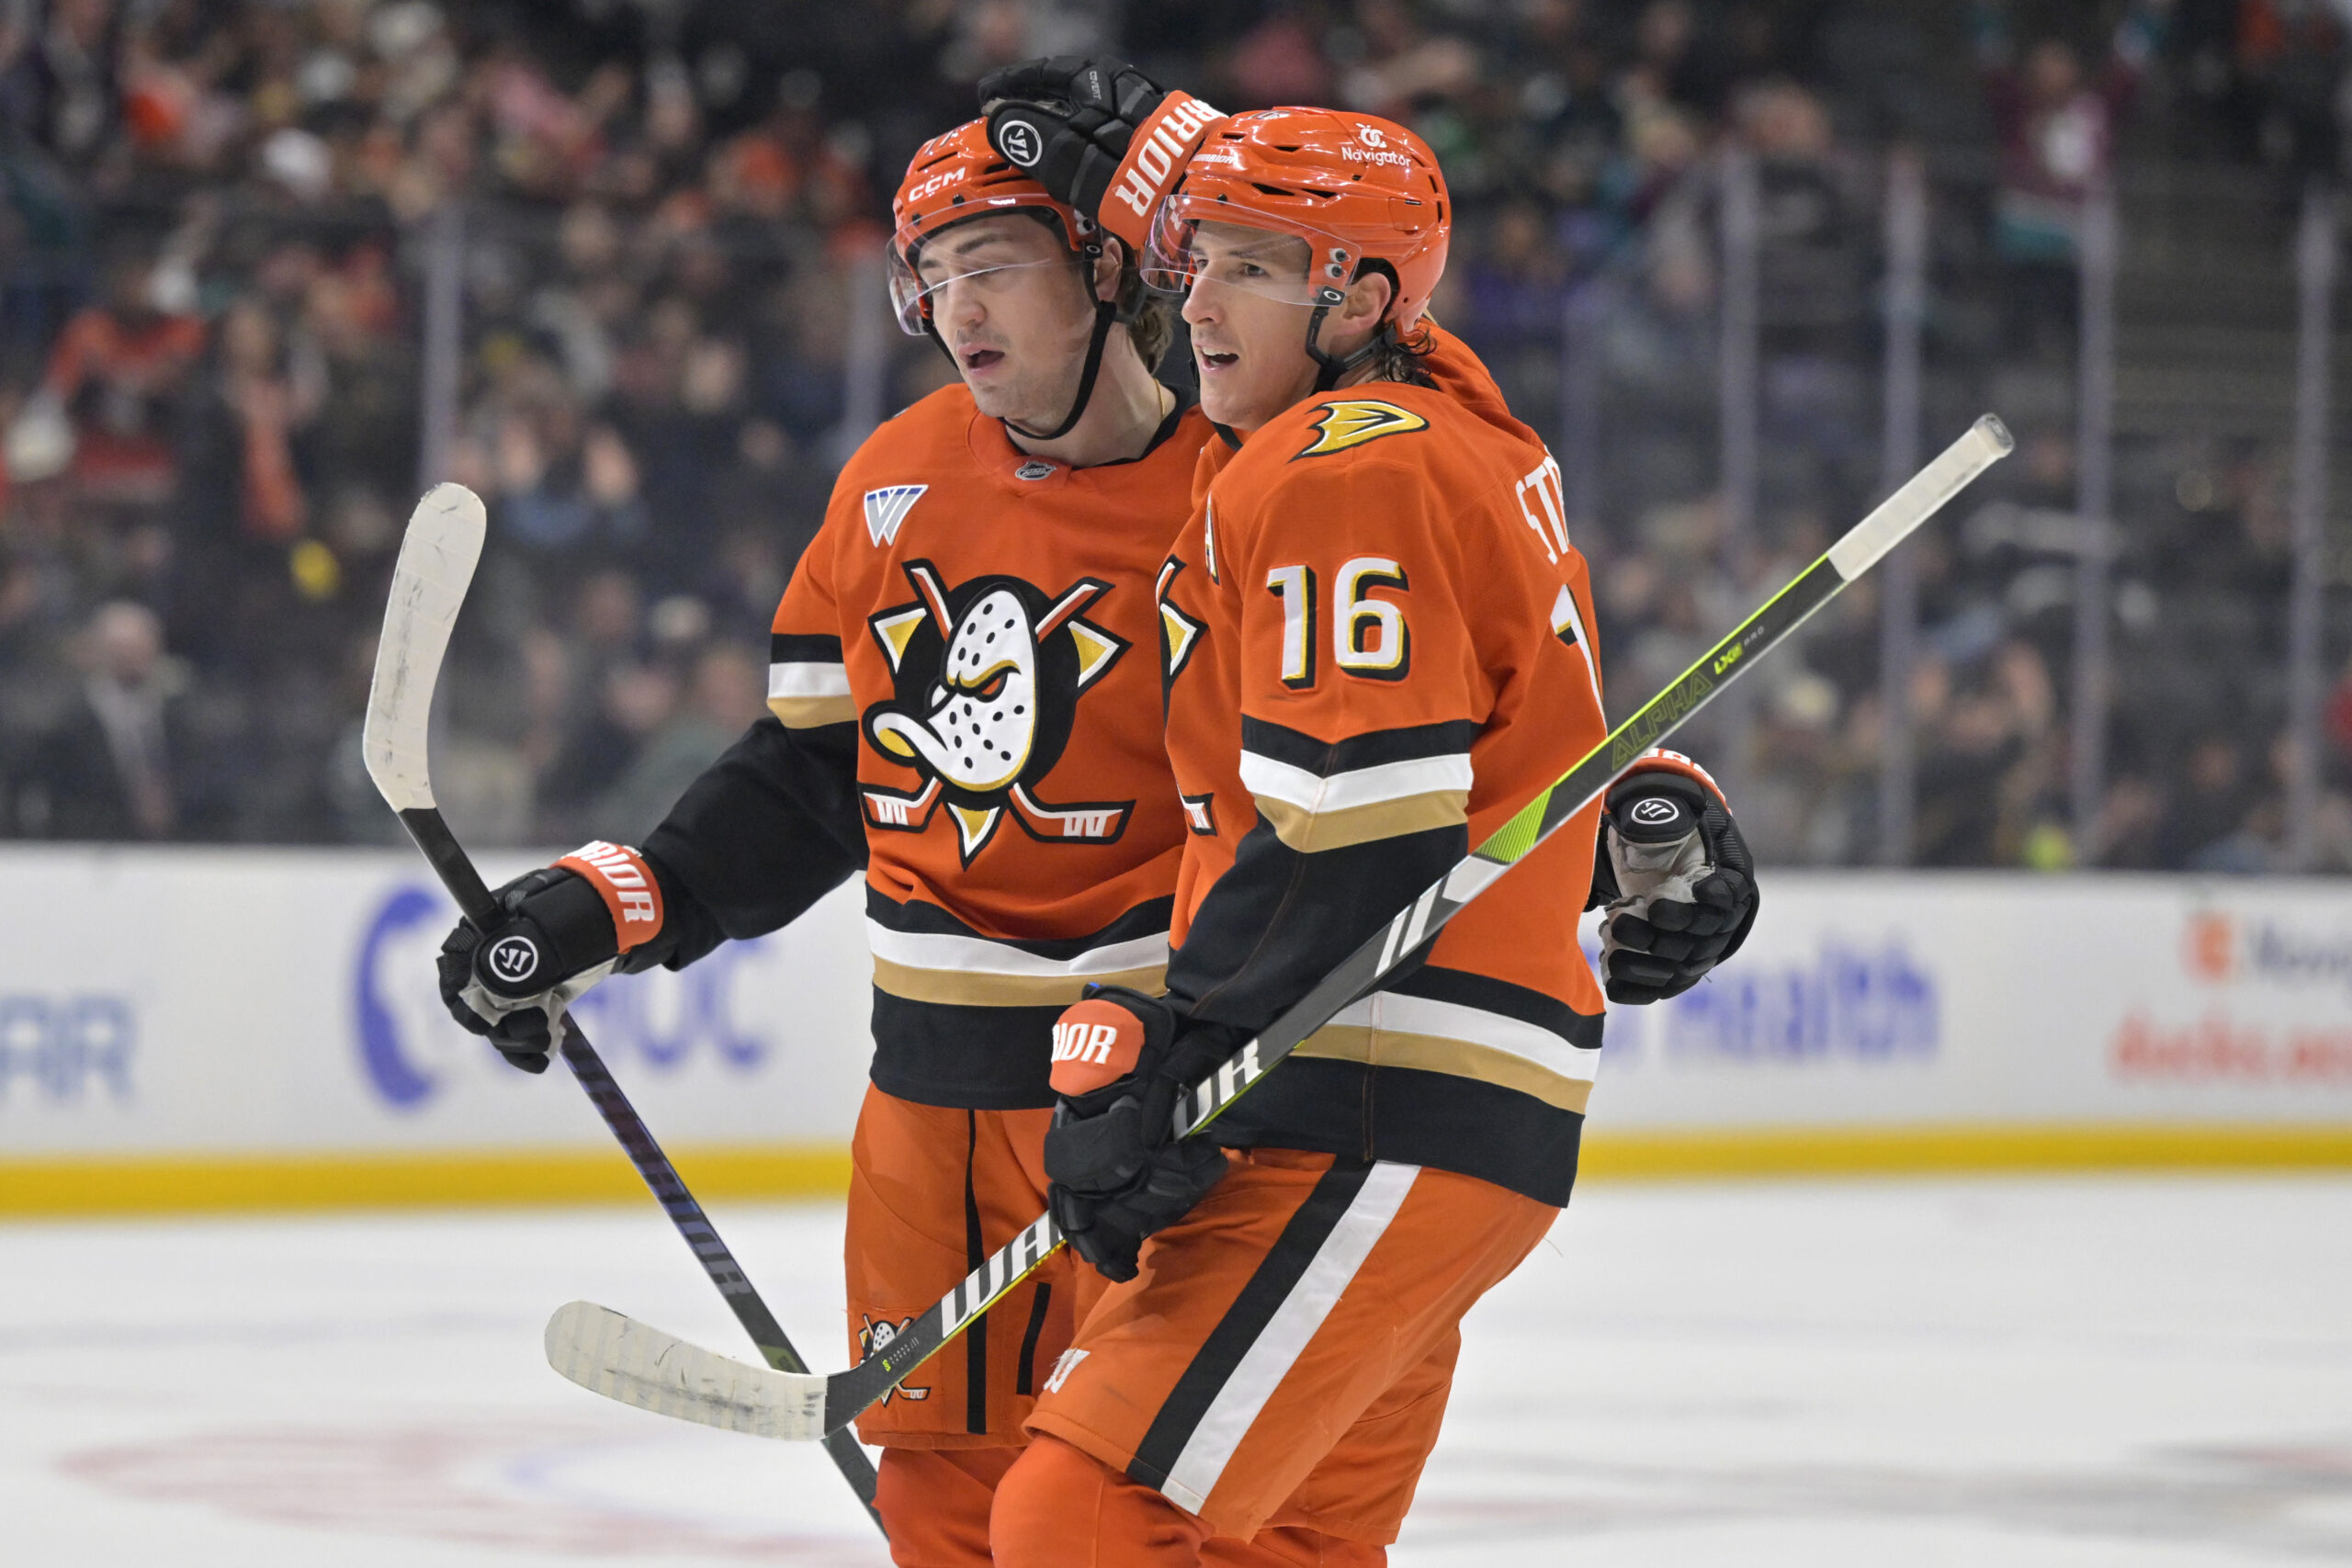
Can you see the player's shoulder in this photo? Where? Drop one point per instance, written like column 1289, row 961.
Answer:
column 1382, row 440
column 932, row 431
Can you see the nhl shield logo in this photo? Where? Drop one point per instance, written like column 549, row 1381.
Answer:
column 987, row 678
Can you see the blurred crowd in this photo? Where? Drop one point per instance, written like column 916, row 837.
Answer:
column 648, row 233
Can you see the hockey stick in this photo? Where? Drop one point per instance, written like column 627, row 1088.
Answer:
column 436, row 565
column 629, row 1362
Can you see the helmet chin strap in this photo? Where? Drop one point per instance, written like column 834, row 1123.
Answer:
column 1106, row 316
column 1332, row 365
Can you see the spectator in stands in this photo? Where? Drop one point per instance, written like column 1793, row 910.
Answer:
column 1681, row 64
column 2057, row 136
column 2291, row 63
column 2212, row 805
column 724, row 693
column 60, row 91
column 117, row 763
column 118, row 371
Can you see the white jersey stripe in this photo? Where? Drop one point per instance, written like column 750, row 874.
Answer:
column 1452, row 1020
column 1279, row 1344
column 978, row 956
column 790, row 678
column 1313, row 794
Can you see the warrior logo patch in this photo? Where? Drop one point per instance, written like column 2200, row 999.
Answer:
column 887, row 508
column 873, row 1337
column 1351, row 421
column 986, row 679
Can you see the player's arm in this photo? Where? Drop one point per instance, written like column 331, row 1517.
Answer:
column 765, row 832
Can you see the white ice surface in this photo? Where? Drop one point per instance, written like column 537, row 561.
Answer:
column 2063, row 1374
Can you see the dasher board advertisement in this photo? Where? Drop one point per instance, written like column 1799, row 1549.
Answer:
column 130, row 1025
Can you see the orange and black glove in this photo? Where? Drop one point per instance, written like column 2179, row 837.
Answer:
column 1676, row 877
column 1097, row 134
column 1116, row 1171
column 562, row 929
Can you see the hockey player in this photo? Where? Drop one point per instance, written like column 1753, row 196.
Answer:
column 966, row 705
column 1377, row 640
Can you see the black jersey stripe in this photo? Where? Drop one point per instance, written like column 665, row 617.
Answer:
column 1212, row 1365
column 976, row 1252
column 1280, row 743
column 1489, row 995
column 803, row 647
column 1024, row 1380
column 916, row 917
column 1434, row 1119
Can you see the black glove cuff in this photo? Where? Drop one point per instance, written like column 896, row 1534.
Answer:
column 573, row 915
column 1686, row 798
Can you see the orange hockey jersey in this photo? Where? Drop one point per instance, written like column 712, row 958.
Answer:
column 1377, row 635
column 979, row 626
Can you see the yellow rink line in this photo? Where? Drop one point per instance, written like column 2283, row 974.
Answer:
column 222, row 1183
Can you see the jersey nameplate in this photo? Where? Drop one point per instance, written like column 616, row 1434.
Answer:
column 1351, row 421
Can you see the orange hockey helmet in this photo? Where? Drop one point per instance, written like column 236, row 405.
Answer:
column 1356, row 188
column 952, row 179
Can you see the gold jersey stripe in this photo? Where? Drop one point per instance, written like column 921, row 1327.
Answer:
column 1459, row 1058
column 1307, row 831
column 811, row 713
column 964, row 988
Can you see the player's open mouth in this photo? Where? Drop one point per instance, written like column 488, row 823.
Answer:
column 1216, row 359
column 979, row 358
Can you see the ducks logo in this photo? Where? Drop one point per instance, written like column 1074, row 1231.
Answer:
column 987, row 678
column 873, row 1337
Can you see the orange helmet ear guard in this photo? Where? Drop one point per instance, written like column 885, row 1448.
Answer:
column 1358, row 189
column 953, row 179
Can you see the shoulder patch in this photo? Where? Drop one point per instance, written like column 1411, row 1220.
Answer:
column 887, row 508
column 1351, row 421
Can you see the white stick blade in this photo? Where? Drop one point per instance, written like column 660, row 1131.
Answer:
column 436, row 565
column 608, row 1353
column 1921, row 496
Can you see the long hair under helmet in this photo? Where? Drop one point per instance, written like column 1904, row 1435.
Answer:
column 956, row 177
column 1362, row 192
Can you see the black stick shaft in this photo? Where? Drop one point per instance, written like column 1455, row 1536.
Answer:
column 456, row 869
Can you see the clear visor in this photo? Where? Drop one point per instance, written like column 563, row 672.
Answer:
column 1192, row 244
column 940, row 265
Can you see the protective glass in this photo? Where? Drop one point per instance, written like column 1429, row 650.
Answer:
column 1266, row 262
column 915, row 286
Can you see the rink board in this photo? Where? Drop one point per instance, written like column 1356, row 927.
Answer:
column 1875, row 1022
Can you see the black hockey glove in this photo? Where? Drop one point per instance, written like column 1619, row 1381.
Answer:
column 1678, row 881
column 1116, row 1172
column 1072, row 122
column 508, row 982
